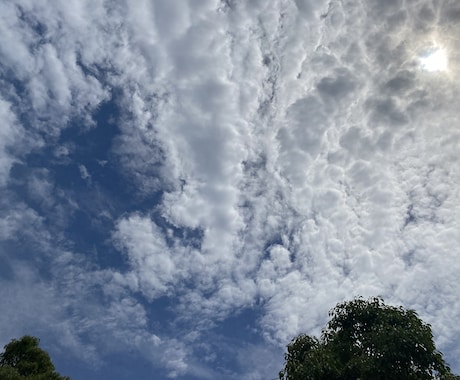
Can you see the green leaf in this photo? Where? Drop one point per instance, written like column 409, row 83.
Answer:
column 367, row 339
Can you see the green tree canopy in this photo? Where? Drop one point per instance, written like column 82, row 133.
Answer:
column 367, row 340
column 24, row 360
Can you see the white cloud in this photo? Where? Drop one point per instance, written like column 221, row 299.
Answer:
column 14, row 219
column 148, row 254
column 55, row 86
column 295, row 142
column 11, row 134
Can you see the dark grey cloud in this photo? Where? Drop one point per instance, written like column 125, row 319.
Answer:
column 337, row 86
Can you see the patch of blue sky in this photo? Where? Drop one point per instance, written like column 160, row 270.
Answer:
column 122, row 365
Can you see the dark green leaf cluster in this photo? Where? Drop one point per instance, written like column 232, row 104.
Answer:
column 366, row 339
column 24, row 360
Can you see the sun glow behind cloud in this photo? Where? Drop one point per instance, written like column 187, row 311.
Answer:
column 436, row 60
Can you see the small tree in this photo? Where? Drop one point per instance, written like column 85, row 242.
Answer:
column 366, row 339
column 23, row 359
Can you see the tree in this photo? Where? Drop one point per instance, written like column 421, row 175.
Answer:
column 24, row 360
column 366, row 339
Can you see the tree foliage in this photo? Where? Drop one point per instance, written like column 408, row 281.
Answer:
column 366, row 339
column 24, row 360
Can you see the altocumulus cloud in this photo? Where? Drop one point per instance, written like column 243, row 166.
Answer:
column 190, row 184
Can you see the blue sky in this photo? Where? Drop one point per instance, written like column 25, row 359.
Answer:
column 187, row 185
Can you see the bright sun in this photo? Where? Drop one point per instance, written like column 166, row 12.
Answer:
column 436, row 60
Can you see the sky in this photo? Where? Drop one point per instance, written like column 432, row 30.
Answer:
column 188, row 185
